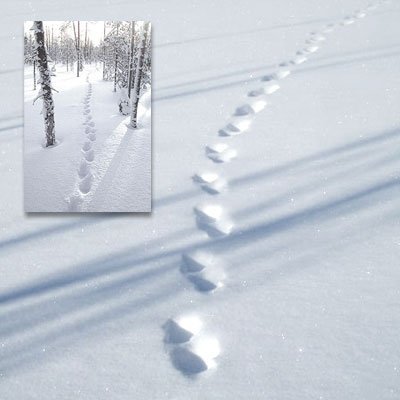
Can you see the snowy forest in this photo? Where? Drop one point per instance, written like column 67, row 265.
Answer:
column 103, row 68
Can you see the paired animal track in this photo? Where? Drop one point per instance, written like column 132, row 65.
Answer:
column 203, row 270
column 212, row 219
column 210, row 182
column 220, row 153
column 191, row 351
column 84, row 172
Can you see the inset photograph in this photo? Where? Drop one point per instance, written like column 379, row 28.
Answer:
column 87, row 116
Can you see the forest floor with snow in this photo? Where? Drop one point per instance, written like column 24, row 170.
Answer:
column 98, row 163
column 269, row 266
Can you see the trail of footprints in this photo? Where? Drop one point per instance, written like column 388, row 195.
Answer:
column 85, row 173
column 192, row 351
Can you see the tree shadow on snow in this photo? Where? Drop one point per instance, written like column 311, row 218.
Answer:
column 129, row 283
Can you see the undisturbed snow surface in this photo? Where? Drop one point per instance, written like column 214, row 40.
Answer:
column 268, row 268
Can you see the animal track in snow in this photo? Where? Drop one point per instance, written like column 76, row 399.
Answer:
column 89, row 155
column 211, row 219
column 83, row 184
column 209, row 212
column 90, row 129
column 206, row 177
column 87, row 146
column 316, row 37
column 217, row 229
column 74, row 202
column 270, row 87
column 197, row 261
column 210, row 182
column 283, row 70
column 220, row 152
column 360, row 14
column 299, row 59
column 197, row 356
column 86, row 183
column 191, row 352
column 252, row 107
column 235, row 127
column 281, row 74
column 311, row 49
column 203, row 270
column 84, row 168
column 181, row 329
column 348, row 21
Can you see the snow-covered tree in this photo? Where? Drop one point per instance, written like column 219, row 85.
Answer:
column 78, row 47
column 146, row 78
column 139, row 74
column 67, row 52
column 30, row 55
column 45, row 82
column 117, row 59
column 131, row 59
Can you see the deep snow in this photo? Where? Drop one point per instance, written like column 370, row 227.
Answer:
column 269, row 275
column 98, row 164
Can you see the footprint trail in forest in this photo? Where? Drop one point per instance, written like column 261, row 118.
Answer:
column 85, row 174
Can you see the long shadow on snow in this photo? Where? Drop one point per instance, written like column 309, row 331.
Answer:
column 323, row 156
column 265, row 29
column 92, row 272
column 361, row 171
column 322, row 211
column 268, row 67
column 123, row 260
column 65, row 320
column 113, row 166
column 246, row 32
column 128, row 260
column 170, row 199
column 312, row 65
column 38, row 234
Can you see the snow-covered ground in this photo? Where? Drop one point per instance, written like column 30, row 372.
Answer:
column 273, row 274
column 98, row 164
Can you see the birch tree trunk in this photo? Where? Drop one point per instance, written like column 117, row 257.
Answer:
column 104, row 51
column 85, row 49
column 45, row 82
column 34, row 74
column 138, row 77
column 132, row 55
column 77, row 47
column 116, row 62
